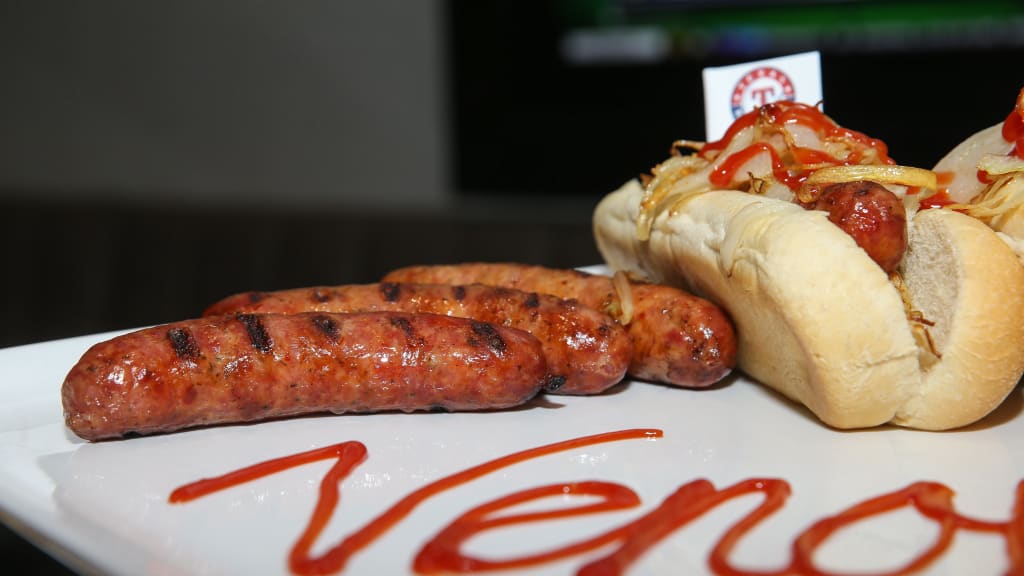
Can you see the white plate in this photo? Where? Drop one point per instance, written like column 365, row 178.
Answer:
column 103, row 507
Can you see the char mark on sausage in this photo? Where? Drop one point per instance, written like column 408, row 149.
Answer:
column 553, row 383
column 405, row 325
column 533, row 300
column 390, row 291
column 490, row 336
column 258, row 336
column 327, row 326
column 183, row 343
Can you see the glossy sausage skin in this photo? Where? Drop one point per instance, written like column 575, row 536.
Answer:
column 586, row 352
column 872, row 215
column 678, row 338
column 250, row 367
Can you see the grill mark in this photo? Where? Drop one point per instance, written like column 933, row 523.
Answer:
column 320, row 295
column 256, row 297
column 183, row 343
column 404, row 325
column 258, row 336
column 553, row 382
column 532, row 300
column 505, row 292
column 327, row 326
column 459, row 293
column 390, row 291
column 490, row 335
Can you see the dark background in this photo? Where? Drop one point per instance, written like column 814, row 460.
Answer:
column 921, row 76
column 532, row 140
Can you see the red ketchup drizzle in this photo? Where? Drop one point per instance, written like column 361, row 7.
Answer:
column 350, row 454
column 941, row 197
column 944, row 178
column 713, row 148
column 1013, row 131
column 780, row 113
column 932, row 500
column 723, row 174
column 937, row 200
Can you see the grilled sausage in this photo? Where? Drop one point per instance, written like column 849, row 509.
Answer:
column 586, row 352
column 248, row 367
column 678, row 338
column 872, row 215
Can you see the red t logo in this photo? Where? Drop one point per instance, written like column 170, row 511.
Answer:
column 762, row 95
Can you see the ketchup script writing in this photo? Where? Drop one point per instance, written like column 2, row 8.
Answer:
column 443, row 553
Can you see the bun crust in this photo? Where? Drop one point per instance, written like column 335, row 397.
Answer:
column 819, row 321
column 969, row 282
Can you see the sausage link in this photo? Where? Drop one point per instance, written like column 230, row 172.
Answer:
column 586, row 352
column 872, row 215
column 249, row 367
column 678, row 338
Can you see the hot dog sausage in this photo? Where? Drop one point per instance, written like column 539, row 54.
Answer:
column 247, row 367
column 677, row 337
column 872, row 215
column 586, row 352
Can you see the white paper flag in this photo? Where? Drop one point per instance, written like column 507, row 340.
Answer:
column 731, row 91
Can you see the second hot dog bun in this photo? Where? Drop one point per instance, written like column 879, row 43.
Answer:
column 984, row 176
column 821, row 323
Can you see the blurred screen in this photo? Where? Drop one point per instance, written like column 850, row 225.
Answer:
column 573, row 97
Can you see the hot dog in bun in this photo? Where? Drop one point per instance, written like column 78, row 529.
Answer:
column 847, row 296
column 984, row 176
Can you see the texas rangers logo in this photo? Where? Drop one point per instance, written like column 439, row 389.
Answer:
column 761, row 86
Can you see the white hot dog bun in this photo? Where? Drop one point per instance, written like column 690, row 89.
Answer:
column 938, row 345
